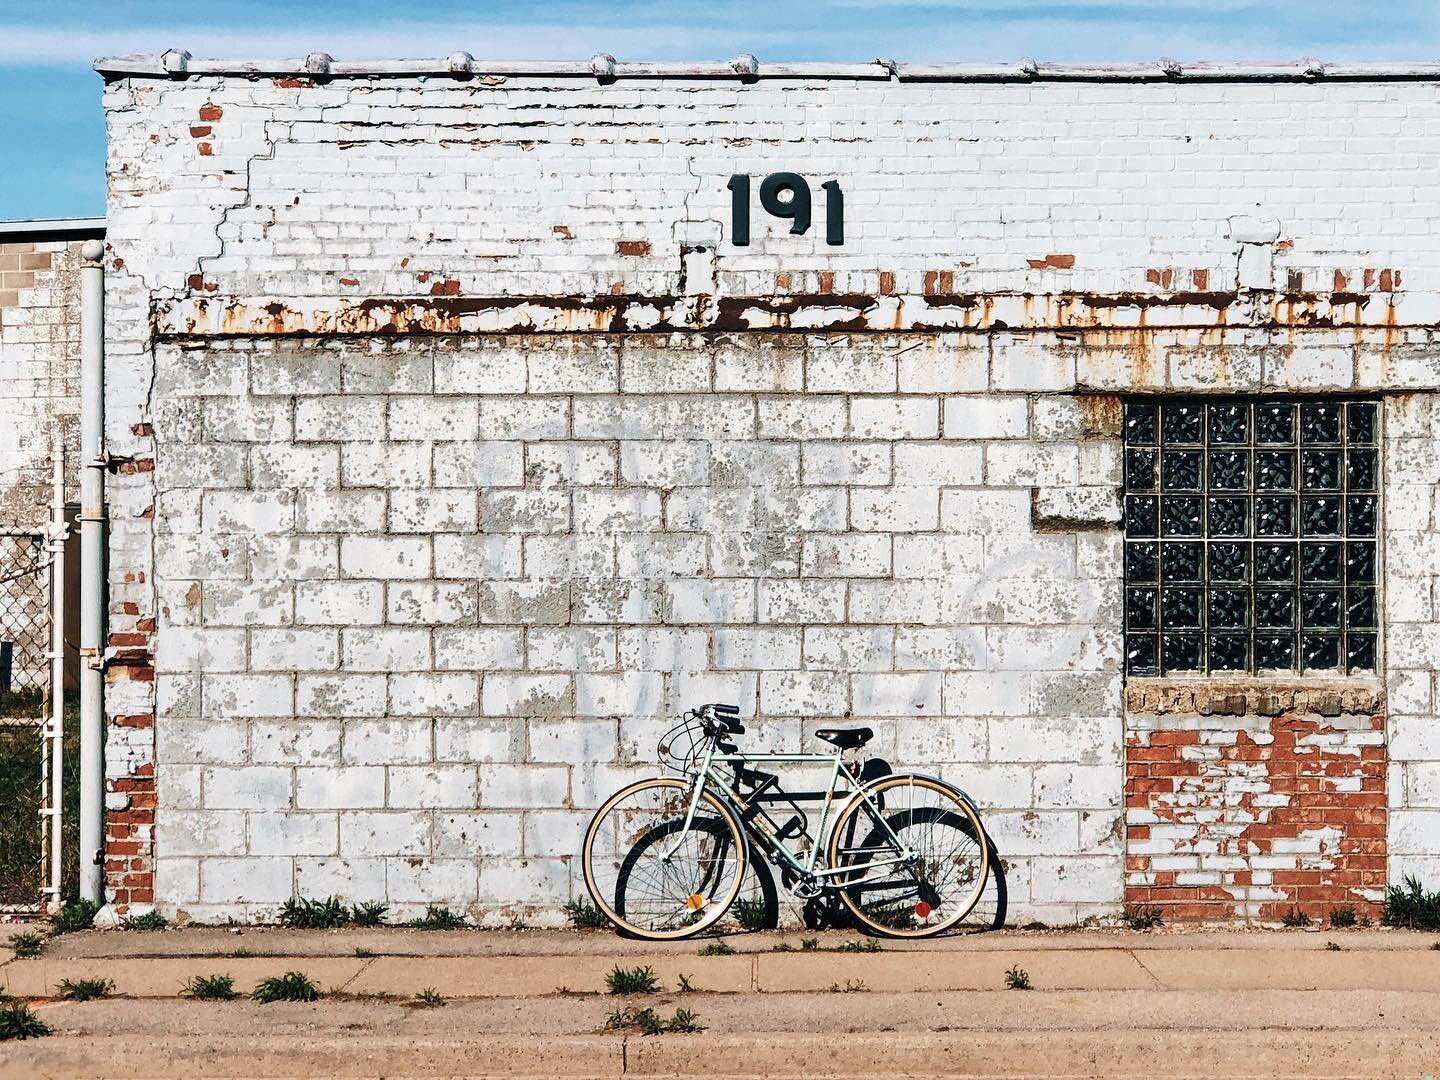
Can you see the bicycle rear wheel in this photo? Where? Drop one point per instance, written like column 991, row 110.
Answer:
column 652, row 874
column 947, row 877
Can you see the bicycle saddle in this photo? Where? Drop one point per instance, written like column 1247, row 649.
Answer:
column 845, row 738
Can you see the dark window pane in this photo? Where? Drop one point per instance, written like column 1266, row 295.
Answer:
column 1360, row 515
column 1180, row 515
column 1229, row 423
column 1180, row 470
column 1360, row 422
column 1229, row 652
column 1182, row 652
column 1320, row 609
column 1275, row 423
column 1229, row 517
column 1274, row 562
column 1320, row 652
column 1180, row 608
column 1360, row 652
column 1320, row 515
column 1140, row 470
column 1140, row 515
column 1140, row 654
column 1360, row 470
column 1360, row 563
column 1229, row 471
column 1274, row 651
column 1275, row 470
column 1319, row 563
column 1320, row 470
column 1139, row 423
column 1229, row 608
column 1360, row 609
column 1141, row 561
column 1320, row 422
column 1274, row 516
column 1182, row 562
column 1228, row 562
column 1182, row 423
column 1140, row 609
column 1274, row 608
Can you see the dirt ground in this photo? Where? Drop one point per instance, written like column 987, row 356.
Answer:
column 534, row 1004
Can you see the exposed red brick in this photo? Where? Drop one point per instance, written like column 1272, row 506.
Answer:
column 210, row 113
column 1057, row 262
column 199, row 131
column 632, row 247
column 887, row 283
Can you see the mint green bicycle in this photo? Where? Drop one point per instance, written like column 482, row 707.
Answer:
column 906, row 854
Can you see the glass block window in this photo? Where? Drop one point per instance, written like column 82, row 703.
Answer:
column 1250, row 535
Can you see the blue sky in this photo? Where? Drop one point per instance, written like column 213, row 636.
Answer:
column 52, row 136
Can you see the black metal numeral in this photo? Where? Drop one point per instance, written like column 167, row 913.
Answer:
column 796, row 208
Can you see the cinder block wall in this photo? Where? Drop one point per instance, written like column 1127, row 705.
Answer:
column 469, row 449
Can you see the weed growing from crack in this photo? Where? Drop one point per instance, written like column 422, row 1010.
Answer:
column 784, row 946
column 439, row 918
column 638, row 980
column 1294, row 918
column 1017, row 978
column 370, row 913
column 1141, row 917
column 750, row 913
column 151, row 920
column 292, row 986
column 74, row 916
column 685, row 987
column 430, row 998
column 27, row 945
column 584, row 915
column 652, row 1023
column 852, row 986
column 18, row 1021
column 1343, row 916
column 809, row 944
column 84, row 989
column 868, row 945
column 300, row 913
column 717, row 948
column 1330, row 946
column 210, row 988
column 362, row 953
column 1411, row 907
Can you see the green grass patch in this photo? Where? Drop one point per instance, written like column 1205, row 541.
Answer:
column 1410, row 907
column 84, row 989
column 584, row 915
column 292, row 986
column 439, row 918
column 637, row 980
column 210, row 988
column 27, row 944
column 18, row 1021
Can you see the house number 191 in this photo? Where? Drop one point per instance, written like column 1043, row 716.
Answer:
column 796, row 208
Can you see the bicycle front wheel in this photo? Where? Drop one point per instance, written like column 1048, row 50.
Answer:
column 656, row 875
column 949, row 858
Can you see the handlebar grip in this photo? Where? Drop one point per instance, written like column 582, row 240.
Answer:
column 726, row 710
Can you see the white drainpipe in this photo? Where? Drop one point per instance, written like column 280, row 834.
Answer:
column 93, row 590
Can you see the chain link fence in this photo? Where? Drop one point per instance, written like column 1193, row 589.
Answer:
column 24, row 708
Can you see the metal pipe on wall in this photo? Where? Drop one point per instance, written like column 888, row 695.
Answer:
column 92, row 571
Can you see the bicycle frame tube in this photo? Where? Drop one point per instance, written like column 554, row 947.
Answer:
column 708, row 776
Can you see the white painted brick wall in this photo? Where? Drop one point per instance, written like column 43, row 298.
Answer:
column 521, row 552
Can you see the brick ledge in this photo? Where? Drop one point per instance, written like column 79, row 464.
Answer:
column 1255, row 697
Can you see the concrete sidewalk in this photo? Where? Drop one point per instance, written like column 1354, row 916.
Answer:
column 1106, row 1003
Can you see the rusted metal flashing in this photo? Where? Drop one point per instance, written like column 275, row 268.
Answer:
column 178, row 64
column 452, row 312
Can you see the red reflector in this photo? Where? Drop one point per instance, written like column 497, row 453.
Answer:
column 922, row 910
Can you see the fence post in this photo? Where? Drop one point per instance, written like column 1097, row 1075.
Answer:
column 55, row 730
